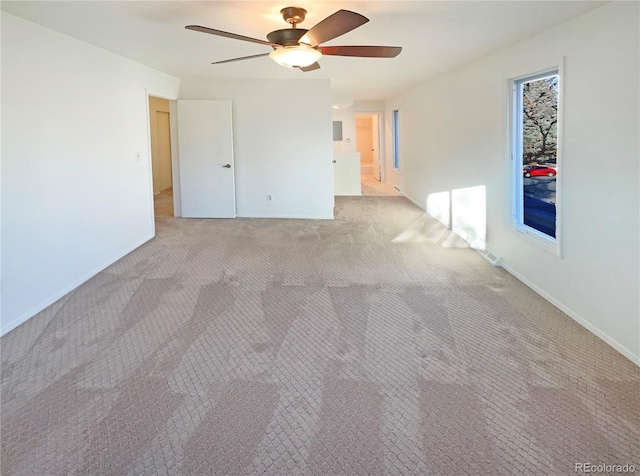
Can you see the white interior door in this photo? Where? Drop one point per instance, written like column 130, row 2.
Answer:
column 205, row 142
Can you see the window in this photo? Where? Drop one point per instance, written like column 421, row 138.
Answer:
column 535, row 155
column 396, row 140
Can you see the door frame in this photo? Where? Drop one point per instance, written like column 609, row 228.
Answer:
column 175, row 174
column 382, row 160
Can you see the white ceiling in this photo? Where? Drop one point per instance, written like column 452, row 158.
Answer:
column 436, row 36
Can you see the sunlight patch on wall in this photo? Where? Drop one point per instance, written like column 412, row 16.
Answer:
column 439, row 207
column 464, row 211
column 469, row 215
column 456, row 219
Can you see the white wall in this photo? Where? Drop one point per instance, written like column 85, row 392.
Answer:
column 347, row 116
column 282, row 144
column 365, row 107
column 74, row 196
column 454, row 136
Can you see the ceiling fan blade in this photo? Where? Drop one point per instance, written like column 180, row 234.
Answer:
column 333, row 26
column 362, row 51
column 240, row 59
column 211, row 31
column 311, row 67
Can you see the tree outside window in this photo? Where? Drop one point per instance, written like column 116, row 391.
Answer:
column 535, row 157
column 540, row 122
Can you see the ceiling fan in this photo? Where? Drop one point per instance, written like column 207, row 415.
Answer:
column 299, row 48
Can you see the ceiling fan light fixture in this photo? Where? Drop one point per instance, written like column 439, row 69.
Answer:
column 294, row 56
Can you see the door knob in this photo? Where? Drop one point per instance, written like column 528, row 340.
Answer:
column 228, row 166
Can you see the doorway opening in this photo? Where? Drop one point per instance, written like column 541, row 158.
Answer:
column 161, row 167
column 369, row 145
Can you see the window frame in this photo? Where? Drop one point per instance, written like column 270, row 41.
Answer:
column 516, row 209
column 395, row 134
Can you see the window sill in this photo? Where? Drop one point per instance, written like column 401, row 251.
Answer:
column 538, row 239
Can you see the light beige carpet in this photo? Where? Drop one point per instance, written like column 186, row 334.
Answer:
column 371, row 187
column 373, row 344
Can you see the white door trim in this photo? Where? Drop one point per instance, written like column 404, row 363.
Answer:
column 171, row 97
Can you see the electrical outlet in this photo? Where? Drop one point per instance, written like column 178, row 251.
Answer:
column 269, row 197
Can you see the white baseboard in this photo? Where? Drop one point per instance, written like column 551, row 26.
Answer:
column 413, row 200
column 583, row 322
column 287, row 217
column 573, row 315
column 50, row 300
